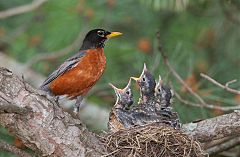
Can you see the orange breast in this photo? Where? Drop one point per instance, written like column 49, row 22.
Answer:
column 80, row 79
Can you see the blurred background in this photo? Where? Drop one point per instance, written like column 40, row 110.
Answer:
column 199, row 36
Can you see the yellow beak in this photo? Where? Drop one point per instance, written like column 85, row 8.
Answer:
column 113, row 34
column 135, row 78
column 116, row 90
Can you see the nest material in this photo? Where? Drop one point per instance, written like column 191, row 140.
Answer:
column 151, row 141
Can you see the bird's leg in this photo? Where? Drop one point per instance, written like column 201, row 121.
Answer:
column 56, row 98
column 77, row 104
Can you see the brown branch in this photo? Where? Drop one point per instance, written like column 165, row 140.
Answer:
column 10, row 148
column 173, row 71
column 224, row 146
column 225, row 87
column 215, row 128
column 57, row 132
column 209, row 106
column 21, row 9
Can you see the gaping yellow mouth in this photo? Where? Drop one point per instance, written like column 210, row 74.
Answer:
column 135, row 78
column 113, row 34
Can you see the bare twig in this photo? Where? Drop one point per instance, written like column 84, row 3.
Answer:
column 224, row 146
column 179, row 78
column 21, row 9
column 59, row 53
column 230, row 82
column 209, row 106
column 10, row 148
column 225, row 87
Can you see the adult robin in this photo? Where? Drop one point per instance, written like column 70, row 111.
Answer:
column 120, row 116
column 77, row 75
column 147, row 85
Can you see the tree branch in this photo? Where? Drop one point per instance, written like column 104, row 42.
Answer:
column 209, row 106
column 225, row 87
column 215, row 128
column 10, row 148
column 21, row 9
column 224, row 146
column 46, row 129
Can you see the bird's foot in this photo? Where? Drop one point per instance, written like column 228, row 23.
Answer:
column 75, row 110
column 77, row 105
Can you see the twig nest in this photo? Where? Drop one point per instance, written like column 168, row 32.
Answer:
column 152, row 140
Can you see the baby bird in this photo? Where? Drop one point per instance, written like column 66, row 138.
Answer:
column 163, row 94
column 120, row 116
column 147, row 85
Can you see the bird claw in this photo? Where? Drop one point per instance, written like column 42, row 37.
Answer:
column 76, row 110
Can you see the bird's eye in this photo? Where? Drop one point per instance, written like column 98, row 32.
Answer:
column 100, row 33
column 127, row 92
column 159, row 90
column 143, row 79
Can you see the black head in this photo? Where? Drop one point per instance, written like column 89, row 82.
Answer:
column 124, row 96
column 146, row 82
column 96, row 38
column 163, row 92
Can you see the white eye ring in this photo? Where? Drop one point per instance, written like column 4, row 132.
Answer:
column 100, row 33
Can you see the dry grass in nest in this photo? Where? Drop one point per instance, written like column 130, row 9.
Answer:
column 151, row 141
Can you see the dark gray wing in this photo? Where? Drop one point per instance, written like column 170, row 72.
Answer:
column 67, row 65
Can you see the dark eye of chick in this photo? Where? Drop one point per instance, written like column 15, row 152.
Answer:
column 100, row 33
column 159, row 90
column 127, row 92
column 143, row 79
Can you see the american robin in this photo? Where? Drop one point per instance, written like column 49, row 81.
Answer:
column 163, row 93
column 120, row 116
column 147, row 85
column 77, row 75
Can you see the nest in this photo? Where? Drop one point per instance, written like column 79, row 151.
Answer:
column 151, row 141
